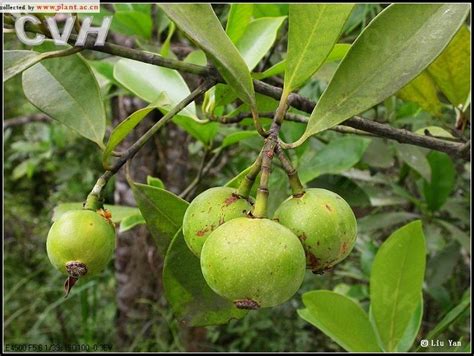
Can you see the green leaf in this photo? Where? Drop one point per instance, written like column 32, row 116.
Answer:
column 200, row 23
column 443, row 177
column 196, row 57
column 341, row 319
column 337, row 53
column 258, row 38
column 130, row 222
column 451, row 317
column 191, row 299
column 153, row 83
column 452, row 71
column 338, row 156
column 148, row 82
column 132, row 23
column 422, row 91
column 239, row 17
column 119, row 212
column 313, row 31
column 396, row 282
column 162, row 210
column 66, row 90
column 16, row 61
column 434, row 131
column 392, row 50
column 155, row 182
column 411, row 332
column 126, row 126
column 236, row 137
column 415, row 157
column 373, row 222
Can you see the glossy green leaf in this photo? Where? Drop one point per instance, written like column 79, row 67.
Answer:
column 443, row 176
column 66, row 90
column 452, row 71
column 423, row 91
column 411, row 332
column 392, row 50
column 337, row 156
column 414, row 157
column 457, row 234
column 239, row 17
column 155, row 182
column 200, row 23
column 126, row 126
column 396, row 282
column 313, row 31
column 118, row 212
column 258, row 38
column 130, row 222
column 191, row 299
column 341, row 319
column 162, row 210
column 450, row 317
column 148, row 82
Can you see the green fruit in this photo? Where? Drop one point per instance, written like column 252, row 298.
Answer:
column 209, row 210
column 253, row 262
column 81, row 242
column 324, row 223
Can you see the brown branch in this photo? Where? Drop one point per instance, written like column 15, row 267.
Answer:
column 461, row 150
column 363, row 126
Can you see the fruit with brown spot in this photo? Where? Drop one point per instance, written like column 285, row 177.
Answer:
column 253, row 262
column 209, row 210
column 326, row 221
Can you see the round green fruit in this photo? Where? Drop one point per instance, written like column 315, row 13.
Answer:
column 253, row 262
column 324, row 223
column 209, row 210
column 81, row 242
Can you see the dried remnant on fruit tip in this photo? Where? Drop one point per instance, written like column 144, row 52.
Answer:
column 248, row 304
column 75, row 270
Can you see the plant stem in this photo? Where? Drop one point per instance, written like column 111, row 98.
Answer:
column 249, row 179
column 268, row 150
column 297, row 188
column 132, row 150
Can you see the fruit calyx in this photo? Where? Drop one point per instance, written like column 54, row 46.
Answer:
column 75, row 270
column 247, row 304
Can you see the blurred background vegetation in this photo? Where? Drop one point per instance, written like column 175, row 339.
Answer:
column 386, row 183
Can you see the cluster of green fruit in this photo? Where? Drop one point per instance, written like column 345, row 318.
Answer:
column 259, row 262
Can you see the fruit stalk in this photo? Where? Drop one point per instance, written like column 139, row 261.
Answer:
column 249, row 179
column 297, row 188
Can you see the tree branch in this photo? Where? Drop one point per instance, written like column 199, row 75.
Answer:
column 24, row 120
column 461, row 150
